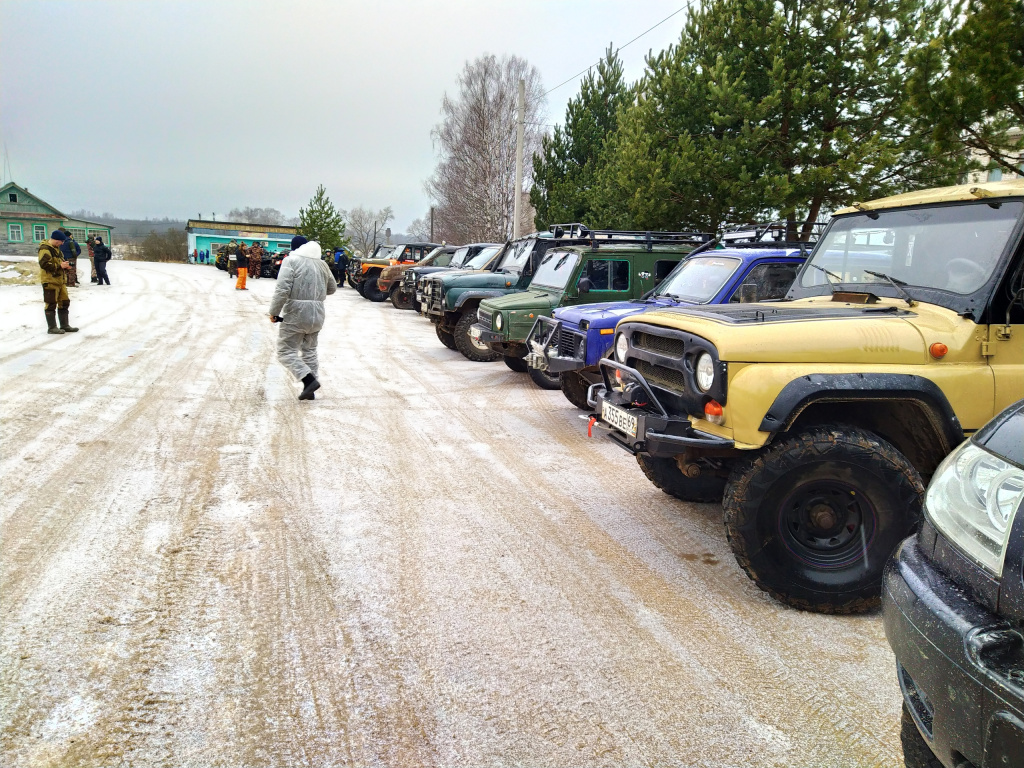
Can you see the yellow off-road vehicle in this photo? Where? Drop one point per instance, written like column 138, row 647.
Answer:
column 817, row 419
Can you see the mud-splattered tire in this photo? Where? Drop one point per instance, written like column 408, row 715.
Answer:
column 916, row 752
column 400, row 300
column 372, row 292
column 667, row 476
column 446, row 337
column 813, row 519
column 352, row 283
column 516, row 364
column 575, row 389
column 470, row 349
column 544, row 380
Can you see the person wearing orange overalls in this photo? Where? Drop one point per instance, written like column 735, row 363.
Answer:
column 243, row 266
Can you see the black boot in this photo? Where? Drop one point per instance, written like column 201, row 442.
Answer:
column 64, row 325
column 311, row 386
column 51, row 322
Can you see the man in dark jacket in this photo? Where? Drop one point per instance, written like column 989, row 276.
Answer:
column 100, row 257
column 53, row 275
column 70, row 250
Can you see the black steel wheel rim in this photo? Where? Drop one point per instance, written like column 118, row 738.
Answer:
column 827, row 524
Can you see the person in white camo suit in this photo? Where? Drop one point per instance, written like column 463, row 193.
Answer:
column 303, row 283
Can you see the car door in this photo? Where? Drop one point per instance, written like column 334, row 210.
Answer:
column 610, row 279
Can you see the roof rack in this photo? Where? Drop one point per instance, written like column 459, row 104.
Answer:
column 598, row 237
column 773, row 232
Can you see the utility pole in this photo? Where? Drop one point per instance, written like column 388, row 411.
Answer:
column 431, row 223
column 374, row 246
column 520, row 128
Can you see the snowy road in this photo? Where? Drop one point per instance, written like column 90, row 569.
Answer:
column 429, row 565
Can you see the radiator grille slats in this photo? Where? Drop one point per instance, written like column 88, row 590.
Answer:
column 662, row 345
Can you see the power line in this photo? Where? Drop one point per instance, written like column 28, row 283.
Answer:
column 621, row 47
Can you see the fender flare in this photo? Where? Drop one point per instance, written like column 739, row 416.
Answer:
column 464, row 297
column 796, row 396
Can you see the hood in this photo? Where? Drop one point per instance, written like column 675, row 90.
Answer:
column 462, row 278
column 819, row 330
column 524, row 301
column 310, row 250
column 606, row 314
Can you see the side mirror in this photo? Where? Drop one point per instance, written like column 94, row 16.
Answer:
column 584, row 285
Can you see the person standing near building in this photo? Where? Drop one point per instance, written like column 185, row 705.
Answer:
column 100, row 257
column 53, row 269
column 70, row 251
column 232, row 253
column 243, row 266
column 303, row 283
column 92, row 263
column 256, row 259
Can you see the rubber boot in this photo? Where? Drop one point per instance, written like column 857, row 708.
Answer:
column 51, row 322
column 64, row 325
column 311, row 386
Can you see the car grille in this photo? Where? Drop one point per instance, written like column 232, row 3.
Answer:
column 483, row 317
column 667, row 378
column 663, row 345
column 567, row 343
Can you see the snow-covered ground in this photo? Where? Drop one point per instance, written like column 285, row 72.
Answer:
column 431, row 564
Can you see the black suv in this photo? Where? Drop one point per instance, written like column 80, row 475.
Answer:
column 953, row 606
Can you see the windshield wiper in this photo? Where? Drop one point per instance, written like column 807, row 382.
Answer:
column 828, row 277
column 897, row 284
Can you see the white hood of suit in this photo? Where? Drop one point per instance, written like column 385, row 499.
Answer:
column 310, row 250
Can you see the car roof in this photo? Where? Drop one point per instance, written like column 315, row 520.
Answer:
column 958, row 193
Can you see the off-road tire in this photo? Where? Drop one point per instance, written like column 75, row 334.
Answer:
column 665, row 474
column 516, row 364
column 875, row 496
column 575, row 389
column 544, row 380
column 464, row 343
column 351, row 281
column 401, row 300
column 372, row 292
column 446, row 337
column 916, row 752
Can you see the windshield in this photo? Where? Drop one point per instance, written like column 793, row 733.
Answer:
column 698, row 279
column 480, row 260
column 431, row 255
column 517, row 255
column 555, row 270
column 948, row 248
column 460, row 256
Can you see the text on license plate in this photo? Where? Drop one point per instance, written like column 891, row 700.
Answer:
column 618, row 418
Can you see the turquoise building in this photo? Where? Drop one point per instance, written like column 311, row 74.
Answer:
column 212, row 236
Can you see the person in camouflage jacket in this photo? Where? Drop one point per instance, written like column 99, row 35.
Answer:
column 255, row 260
column 53, row 269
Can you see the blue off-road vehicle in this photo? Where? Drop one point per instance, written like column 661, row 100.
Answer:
column 757, row 263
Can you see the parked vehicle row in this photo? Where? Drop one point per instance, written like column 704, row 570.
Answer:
column 813, row 382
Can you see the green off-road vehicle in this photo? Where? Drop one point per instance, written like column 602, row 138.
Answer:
column 817, row 419
column 610, row 266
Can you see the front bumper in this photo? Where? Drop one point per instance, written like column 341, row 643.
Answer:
column 960, row 667
column 385, row 285
column 657, row 432
column 555, row 348
column 486, row 335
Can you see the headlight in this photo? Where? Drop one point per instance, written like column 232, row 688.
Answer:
column 621, row 348
column 705, row 372
column 972, row 499
column 499, row 323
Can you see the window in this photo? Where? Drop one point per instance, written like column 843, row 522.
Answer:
column 765, row 282
column 100, row 233
column 14, row 233
column 12, row 197
column 607, row 275
column 79, row 234
column 663, row 269
column 38, row 232
column 996, row 174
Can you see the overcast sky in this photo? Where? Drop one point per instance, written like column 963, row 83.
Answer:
column 176, row 108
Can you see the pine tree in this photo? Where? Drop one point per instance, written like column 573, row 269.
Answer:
column 565, row 169
column 321, row 221
column 967, row 85
column 787, row 108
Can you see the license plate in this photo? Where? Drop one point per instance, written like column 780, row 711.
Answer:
column 474, row 332
column 618, row 418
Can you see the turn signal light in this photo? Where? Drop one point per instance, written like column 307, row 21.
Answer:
column 713, row 412
column 938, row 350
